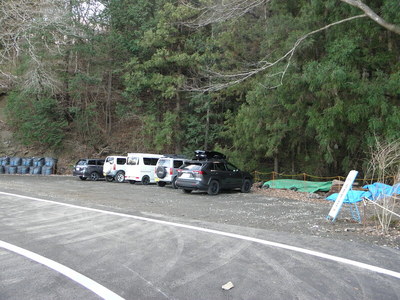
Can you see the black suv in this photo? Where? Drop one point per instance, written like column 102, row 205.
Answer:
column 210, row 172
column 89, row 168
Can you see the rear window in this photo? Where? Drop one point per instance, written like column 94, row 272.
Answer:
column 163, row 162
column 81, row 162
column 100, row 162
column 178, row 163
column 193, row 167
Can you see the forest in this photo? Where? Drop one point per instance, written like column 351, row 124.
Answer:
column 292, row 86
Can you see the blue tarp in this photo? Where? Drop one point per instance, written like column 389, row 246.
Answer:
column 375, row 191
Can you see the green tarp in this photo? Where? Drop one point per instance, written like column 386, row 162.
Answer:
column 299, row 185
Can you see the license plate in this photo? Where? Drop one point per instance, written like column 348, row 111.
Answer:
column 186, row 175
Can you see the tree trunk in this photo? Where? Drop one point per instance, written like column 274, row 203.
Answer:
column 207, row 129
column 177, row 129
column 276, row 163
column 108, row 103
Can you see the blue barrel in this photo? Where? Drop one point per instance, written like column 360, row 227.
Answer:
column 36, row 170
column 12, row 170
column 22, row 170
column 38, row 161
column 47, row 170
column 27, row 161
column 5, row 161
column 15, row 161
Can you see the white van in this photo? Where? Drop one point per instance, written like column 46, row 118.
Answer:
column 140, row 167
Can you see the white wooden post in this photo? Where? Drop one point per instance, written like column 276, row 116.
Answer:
column 342, row 194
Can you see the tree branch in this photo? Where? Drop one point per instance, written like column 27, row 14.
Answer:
column 235, row 78
column 221, row 12
column 372, row 15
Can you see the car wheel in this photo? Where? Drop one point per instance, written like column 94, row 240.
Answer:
column 246, row 186
column 213, row 188
column 132, row 181
column 161, row 172
column 174, row 183
column 109, row 178
column 120, row 177
column 161, row 183
column 145, row 180
column 94, row 176
column 82, row 178
column 187, row 191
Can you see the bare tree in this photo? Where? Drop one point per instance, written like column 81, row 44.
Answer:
column 222, row 10
column 384, row 165
column 38, row 30
column 374, row 16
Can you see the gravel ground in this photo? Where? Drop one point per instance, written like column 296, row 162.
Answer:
column 344, row 227
column 281, row 211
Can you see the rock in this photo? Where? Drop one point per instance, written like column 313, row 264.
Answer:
column 227, row 286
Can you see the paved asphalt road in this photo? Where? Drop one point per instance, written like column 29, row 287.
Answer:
column 61, row 238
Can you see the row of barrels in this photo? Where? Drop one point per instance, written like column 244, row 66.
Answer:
column 28, row 165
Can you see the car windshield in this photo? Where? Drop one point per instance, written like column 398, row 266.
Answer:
column 110, row 160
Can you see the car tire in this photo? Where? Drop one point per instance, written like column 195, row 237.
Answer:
column 187, row 191
column 161, row 183
column 161, row 172
column 109, row 178
column 120, row 177
column 94, row 176
column 82, row 178
column 293, row 188
column 174, row 183
column 213, row 188
column 132, row 181
column 145, row 180
column 246, row 186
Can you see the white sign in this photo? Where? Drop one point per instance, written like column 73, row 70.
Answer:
column 342, row 194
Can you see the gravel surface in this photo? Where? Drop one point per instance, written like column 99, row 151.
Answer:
column 281, row 211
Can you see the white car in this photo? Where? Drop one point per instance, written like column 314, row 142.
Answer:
column 140, row 167
column 114, row 168
column 167, row 169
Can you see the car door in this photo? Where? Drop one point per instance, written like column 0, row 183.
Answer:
column 219, row 172
column 234, row 175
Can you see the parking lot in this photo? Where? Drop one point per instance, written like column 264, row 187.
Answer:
column 146, row 242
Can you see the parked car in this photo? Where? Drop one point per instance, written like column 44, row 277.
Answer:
column 114, row 168
column 140, row 167
column 89, row 168
column 212, row 173
column 167, row 169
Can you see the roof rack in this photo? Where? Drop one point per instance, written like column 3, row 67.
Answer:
column 175, row 156
column 204, row 155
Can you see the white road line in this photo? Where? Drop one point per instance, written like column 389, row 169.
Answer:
column 75, row 276
column 227, row 234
